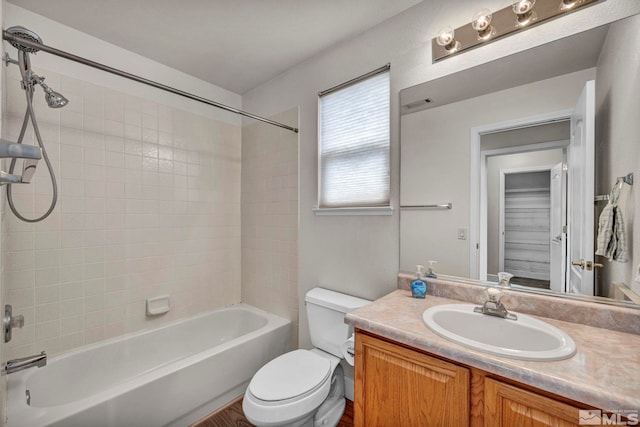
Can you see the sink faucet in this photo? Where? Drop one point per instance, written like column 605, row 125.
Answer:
column 15, row 365
column 493, row 306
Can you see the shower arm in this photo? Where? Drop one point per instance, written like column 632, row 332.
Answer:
column 28, row 43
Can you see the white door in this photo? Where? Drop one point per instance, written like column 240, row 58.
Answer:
column 557, row 244
column 580, row 159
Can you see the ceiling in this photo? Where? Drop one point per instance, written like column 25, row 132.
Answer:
column 234, row 44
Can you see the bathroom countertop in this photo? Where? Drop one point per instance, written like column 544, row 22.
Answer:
column 603, row 373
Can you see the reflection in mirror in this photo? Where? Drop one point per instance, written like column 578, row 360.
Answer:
column 507, row 154
column 519, row 202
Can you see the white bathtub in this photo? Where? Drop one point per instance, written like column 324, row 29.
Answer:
column 170, row 376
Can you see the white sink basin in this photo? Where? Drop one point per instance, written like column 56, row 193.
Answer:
column 526, row 338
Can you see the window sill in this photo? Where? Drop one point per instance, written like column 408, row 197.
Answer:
column 374, row 210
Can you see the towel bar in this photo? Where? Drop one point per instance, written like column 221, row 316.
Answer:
column 434, row 206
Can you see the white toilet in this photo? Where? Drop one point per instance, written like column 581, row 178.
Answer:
column 306, row 387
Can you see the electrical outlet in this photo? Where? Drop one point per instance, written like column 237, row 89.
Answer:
column 462, row 233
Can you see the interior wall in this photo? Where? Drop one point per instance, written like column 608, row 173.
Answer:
column 270, row 218
column 617, row 113
column 359, row 255
column 149, row 203
column 62, row 37
column 433, row 140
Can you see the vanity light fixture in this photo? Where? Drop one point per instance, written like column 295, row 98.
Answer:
column 481, row 22
column 487, row 26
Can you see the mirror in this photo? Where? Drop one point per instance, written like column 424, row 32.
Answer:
column 494, row 176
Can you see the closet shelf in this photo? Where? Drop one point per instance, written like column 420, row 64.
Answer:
column 528, row 190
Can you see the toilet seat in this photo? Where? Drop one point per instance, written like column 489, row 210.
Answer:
column 290, row 375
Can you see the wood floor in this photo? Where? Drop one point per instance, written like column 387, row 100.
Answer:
column 232, row 416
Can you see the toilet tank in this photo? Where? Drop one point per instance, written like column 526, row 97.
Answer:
column 326, row 310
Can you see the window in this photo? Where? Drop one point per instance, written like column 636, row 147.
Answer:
column 353, row 143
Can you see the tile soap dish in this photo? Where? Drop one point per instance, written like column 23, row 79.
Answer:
column 158, row 305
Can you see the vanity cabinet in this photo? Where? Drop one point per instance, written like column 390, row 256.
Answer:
column 398, row 386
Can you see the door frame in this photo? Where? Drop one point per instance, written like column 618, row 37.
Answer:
column 478, row 180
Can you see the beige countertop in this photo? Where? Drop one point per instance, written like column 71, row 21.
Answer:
column 604, row 372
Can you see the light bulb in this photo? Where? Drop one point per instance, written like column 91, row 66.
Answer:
column 522, row 7
column 524, row 11
column 445, row 36
column 481, row 22
column 446, row 39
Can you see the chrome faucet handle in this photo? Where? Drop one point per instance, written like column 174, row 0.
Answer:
column 504, row 279
column 493, row 294
column 10, row 321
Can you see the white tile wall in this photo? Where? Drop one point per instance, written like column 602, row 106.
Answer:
column 149, row 203
column 270, row 218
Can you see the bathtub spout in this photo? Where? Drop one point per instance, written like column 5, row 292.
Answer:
column 15, row 365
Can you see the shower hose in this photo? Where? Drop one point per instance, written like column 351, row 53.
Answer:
column 29, row 114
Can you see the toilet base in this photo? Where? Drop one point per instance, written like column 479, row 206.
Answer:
column 331, row 417
column 331, row 410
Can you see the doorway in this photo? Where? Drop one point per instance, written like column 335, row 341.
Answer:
column 521, row 213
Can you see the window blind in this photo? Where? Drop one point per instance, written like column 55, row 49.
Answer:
column 354, row 144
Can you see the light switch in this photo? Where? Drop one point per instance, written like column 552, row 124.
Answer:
column 462, row 233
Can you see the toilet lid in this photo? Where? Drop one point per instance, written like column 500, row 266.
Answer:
column 289, row 375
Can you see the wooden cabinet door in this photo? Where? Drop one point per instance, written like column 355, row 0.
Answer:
column 507, row 405
column 396, row 387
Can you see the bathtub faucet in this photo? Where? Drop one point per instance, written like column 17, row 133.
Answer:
column 15, row 365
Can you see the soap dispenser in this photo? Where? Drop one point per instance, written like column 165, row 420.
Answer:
column 418, row 286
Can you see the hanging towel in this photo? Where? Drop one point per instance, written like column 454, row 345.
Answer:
column 620, row 251
column 605, row 231
column 611, row 241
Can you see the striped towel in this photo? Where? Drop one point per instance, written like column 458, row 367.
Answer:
column 611, row 241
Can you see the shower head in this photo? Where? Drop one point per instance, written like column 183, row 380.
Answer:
column 24, row 33
column 54, row 99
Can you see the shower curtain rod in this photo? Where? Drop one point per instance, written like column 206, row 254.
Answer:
column 29, row 43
